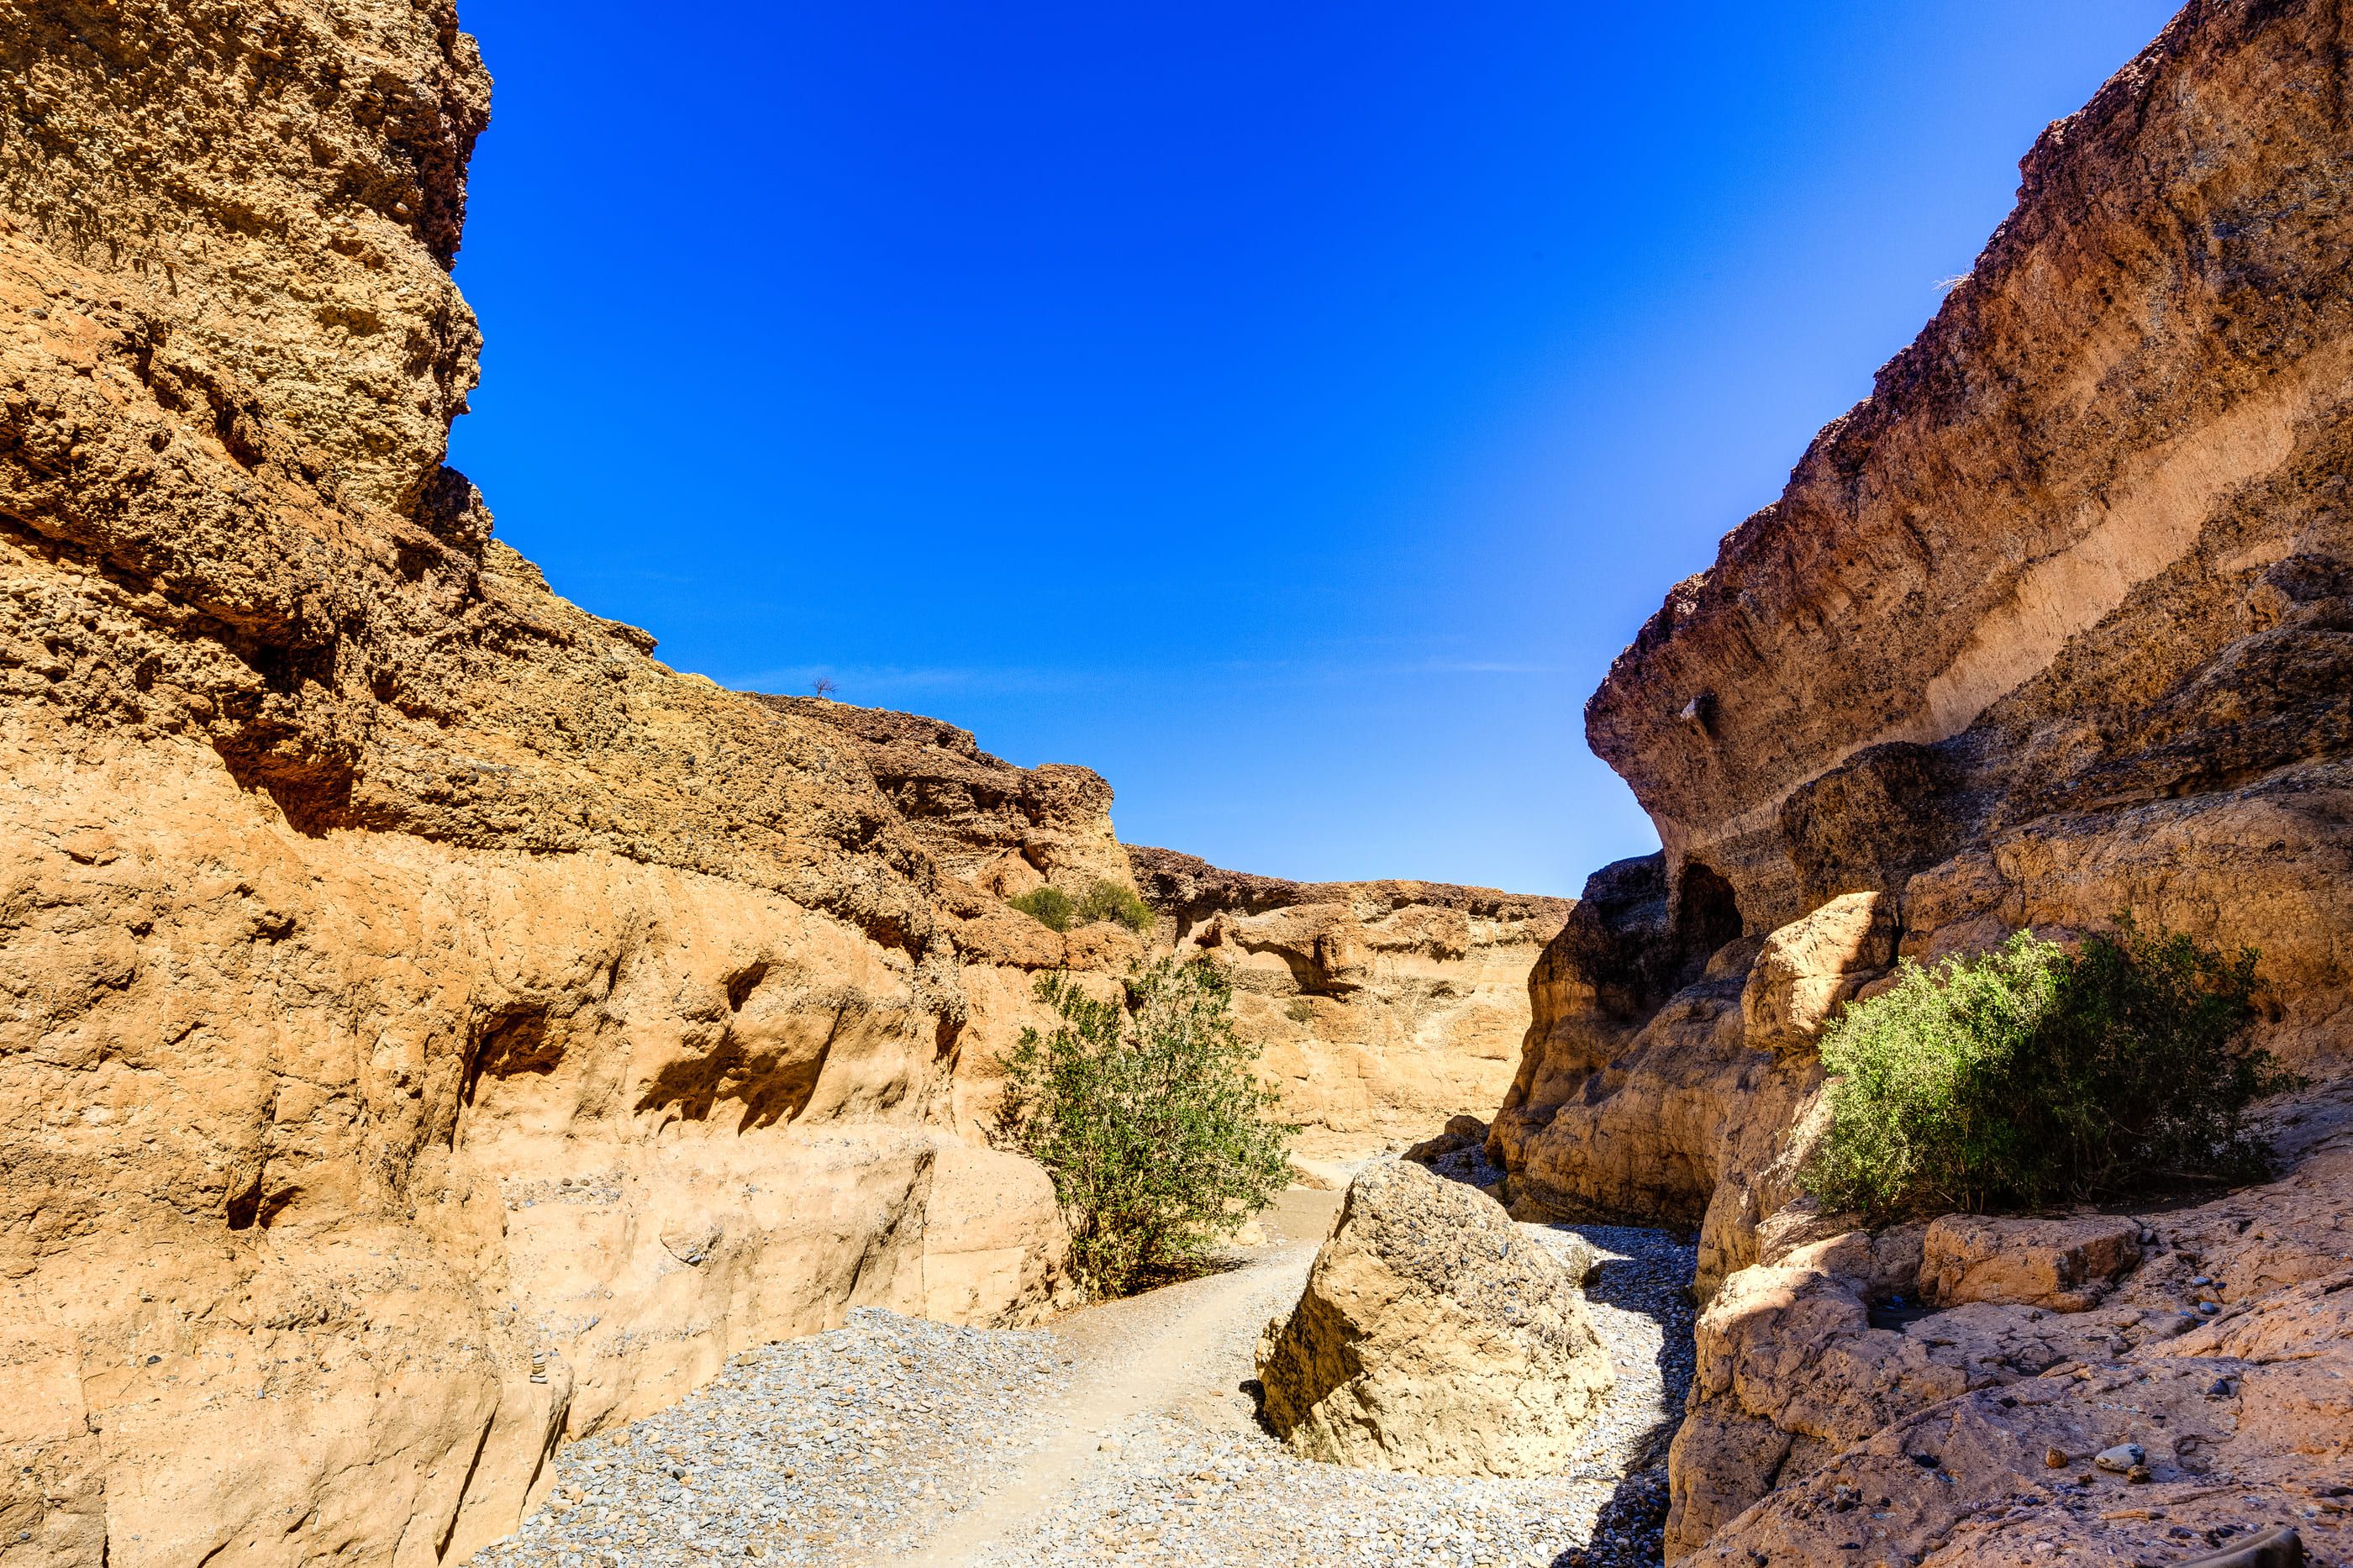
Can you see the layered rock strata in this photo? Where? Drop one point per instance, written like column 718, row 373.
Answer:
column 1382, row 1008
column 1003, row 828
column 1434, row 1337
column 2053, row 626
column 1385, row 1008
column 432, row 1028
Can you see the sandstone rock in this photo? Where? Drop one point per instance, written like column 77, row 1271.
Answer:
column 2064, row 1264
column 1792, row 1365
column 1385, row 1006
column 1433, row 1337
column 1810, row 968
column 435, row 1028
column 2049, row 626
column 1007, row 828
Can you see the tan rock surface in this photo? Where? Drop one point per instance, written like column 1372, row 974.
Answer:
column 2051, row 626
column 1813, row 966
column 1004, row 828
column 1387, row 1007
column 2066, row 1264
column 2221, row 1350
column 432, row 1028
column 1434, row 1336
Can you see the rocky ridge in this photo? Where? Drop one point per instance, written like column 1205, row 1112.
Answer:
column 2051, row 626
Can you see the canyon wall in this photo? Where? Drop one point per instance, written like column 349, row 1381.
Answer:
column 1384, row 1007
column 429, row 1027
column 2055, row 625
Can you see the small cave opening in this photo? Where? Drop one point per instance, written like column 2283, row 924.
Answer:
column 744, row 982
column 1706, row 912
column 509, row 1042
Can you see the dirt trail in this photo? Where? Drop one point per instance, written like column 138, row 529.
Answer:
column 1119, row 1435
column 1170, row 1350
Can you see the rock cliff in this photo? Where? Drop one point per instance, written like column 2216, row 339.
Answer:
column 432, row 1028
column 2054, row 624
column 1385, row 1008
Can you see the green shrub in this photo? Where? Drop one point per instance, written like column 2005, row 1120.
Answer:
column 1300, row 1010
column 1049, row 906
column 1144, row 1111
column 2030, row 1076
column 1105, row 900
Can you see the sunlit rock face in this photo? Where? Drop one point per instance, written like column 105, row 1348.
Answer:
column 1383, row 1008
column 2055, row 625
column 433, row 1028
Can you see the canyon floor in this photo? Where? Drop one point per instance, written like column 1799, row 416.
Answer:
column 1124, row 1431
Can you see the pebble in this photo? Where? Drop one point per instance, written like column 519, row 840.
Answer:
column 2120, row 1459
column 850, row 1447
column 811, row 1451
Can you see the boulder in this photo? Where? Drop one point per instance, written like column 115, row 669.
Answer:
column 1435, row 1336
column 1811, row 967
column 2063, row 1265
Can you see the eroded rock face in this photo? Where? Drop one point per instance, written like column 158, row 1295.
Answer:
column 1385, row 1008
column 2210, row 1336
column 2076, row 575
column 1434, row 1336
column 1809, row 969
column 2051, row 626
column 433, row 1028
column 1004, row 828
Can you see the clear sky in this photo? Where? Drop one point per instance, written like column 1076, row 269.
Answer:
column 1287, row 410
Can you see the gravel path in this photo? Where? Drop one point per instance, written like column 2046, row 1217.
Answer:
column 1121, row 1433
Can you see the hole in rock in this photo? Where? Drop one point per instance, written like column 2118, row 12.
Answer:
column 1707, row 914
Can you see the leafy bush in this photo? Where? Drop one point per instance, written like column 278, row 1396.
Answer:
column 2031, row 1074
column 1300, row 1010
column 1049, row 906
column 1144, row 1111
column 1106, row 901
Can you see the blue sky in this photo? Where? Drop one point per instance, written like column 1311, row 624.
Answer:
column 1287, row 411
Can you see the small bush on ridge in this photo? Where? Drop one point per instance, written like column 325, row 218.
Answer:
column 2031, row 1074
column 1049, row 906
column 1105, row 900
column 1144, row 1112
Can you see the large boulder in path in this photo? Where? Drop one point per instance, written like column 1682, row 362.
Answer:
column 1435, row 1336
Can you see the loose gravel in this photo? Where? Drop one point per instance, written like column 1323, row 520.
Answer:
column 857, row 1448
column 810, row 1451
